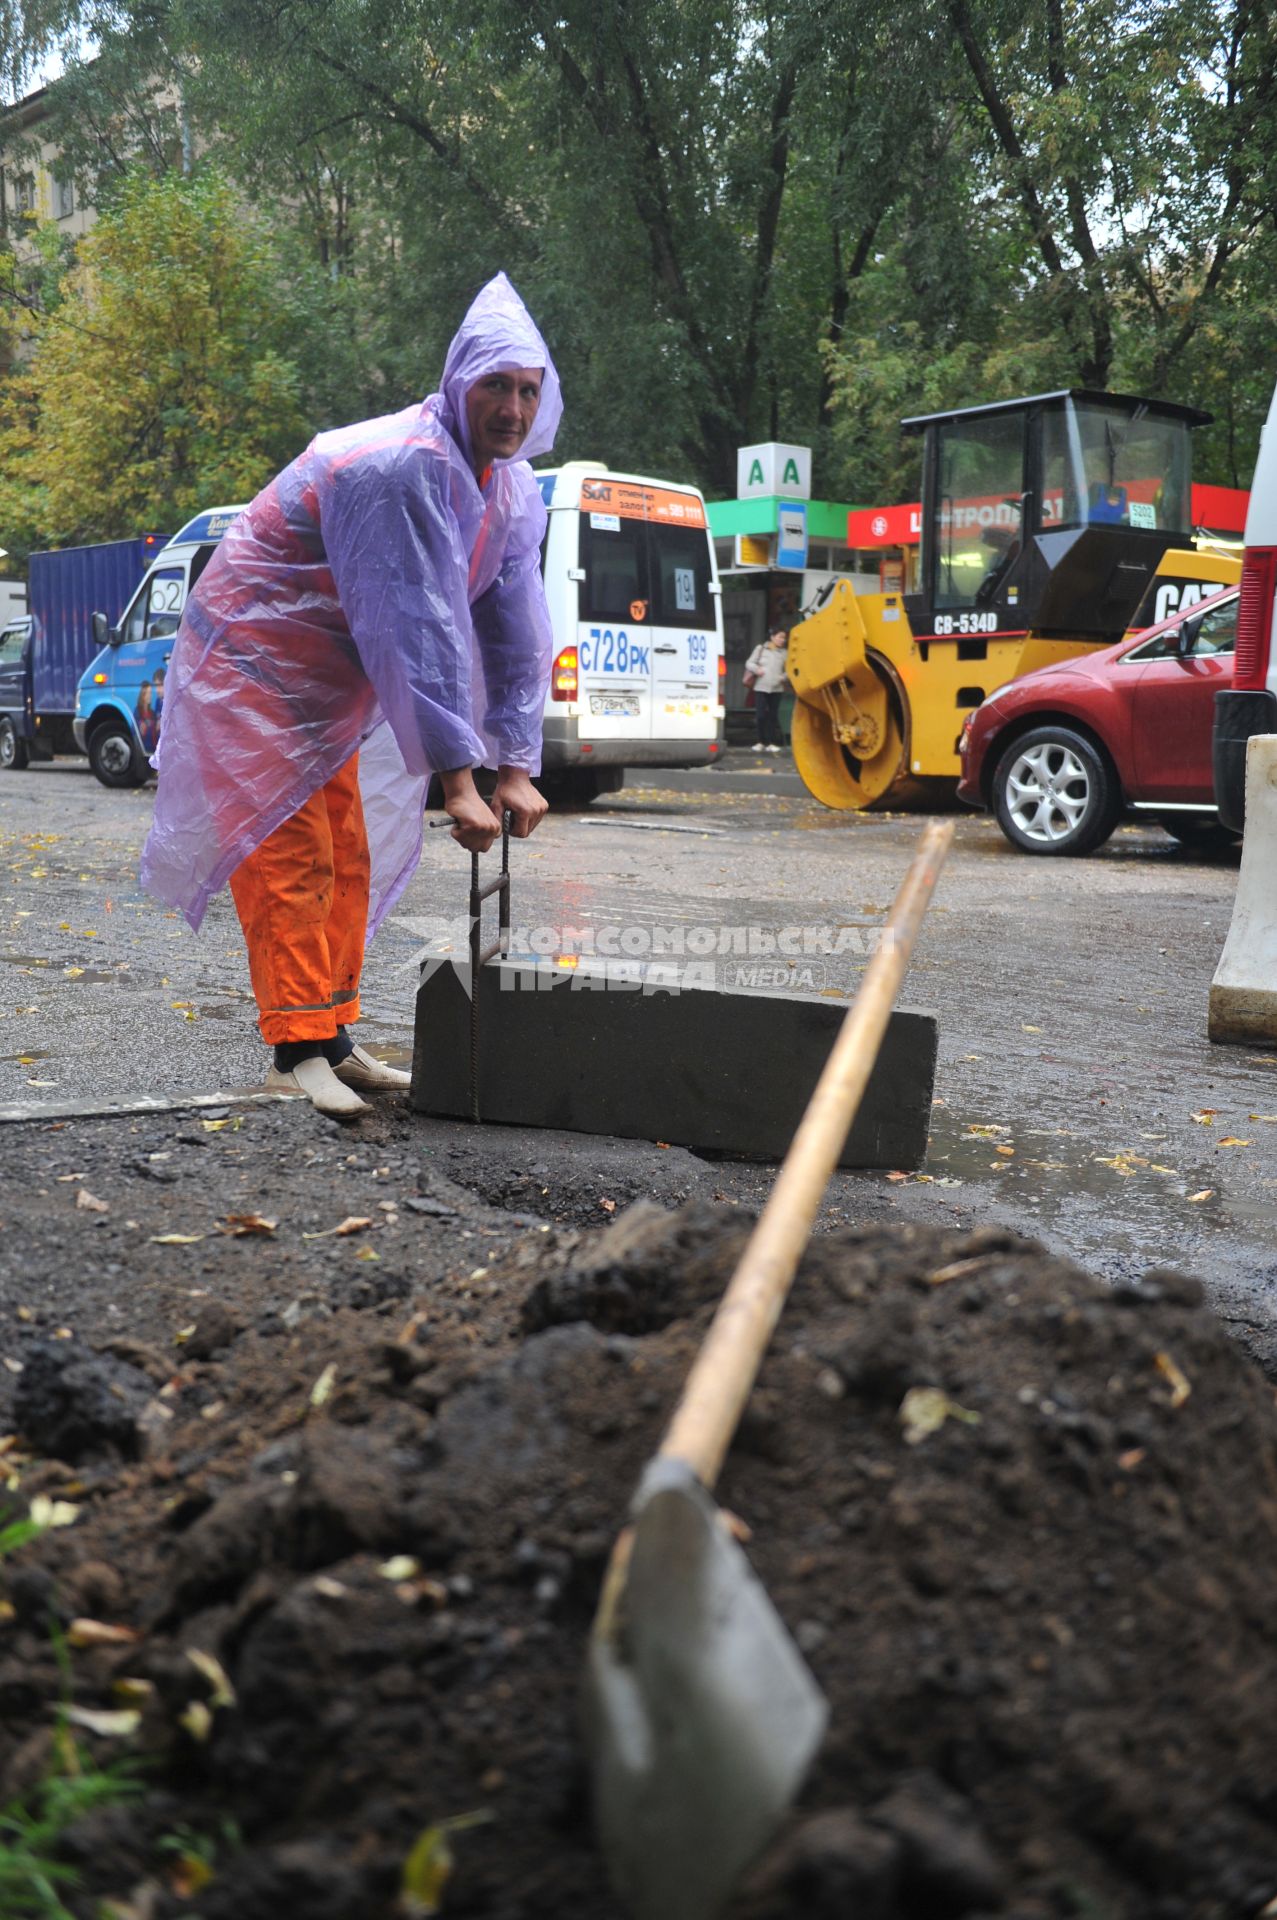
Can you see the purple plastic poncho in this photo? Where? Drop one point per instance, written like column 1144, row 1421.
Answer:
column 370, row 597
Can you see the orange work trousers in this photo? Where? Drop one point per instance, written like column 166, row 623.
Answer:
column 302, row 900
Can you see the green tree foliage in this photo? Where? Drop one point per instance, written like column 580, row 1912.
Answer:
column 1099, row 220
column 160, row 378
column 796, row 219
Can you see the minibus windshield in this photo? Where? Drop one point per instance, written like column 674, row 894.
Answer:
column 646, row 573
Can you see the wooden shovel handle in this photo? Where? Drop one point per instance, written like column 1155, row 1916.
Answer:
column 726, row 1367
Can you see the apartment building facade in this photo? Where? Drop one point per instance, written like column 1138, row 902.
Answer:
column 34, row 184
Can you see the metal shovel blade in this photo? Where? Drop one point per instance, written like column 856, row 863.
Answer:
column 701, row 1715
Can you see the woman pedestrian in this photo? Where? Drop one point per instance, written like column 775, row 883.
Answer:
column 765, row 673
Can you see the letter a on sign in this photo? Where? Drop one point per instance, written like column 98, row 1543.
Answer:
column 773, row 468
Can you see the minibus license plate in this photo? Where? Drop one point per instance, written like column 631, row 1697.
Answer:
column 614, row 705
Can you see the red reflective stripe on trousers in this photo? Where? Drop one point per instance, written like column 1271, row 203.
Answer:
column 302, row 901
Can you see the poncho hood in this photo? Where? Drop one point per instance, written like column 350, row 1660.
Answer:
column 497, row 335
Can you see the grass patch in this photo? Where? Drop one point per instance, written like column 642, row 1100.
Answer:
column 32, row 1878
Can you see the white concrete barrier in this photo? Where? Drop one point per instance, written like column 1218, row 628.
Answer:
column 1243, row 994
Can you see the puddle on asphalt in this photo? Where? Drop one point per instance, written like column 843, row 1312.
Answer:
column 1130, row 1201
column 121, row 976
column 391, row 1056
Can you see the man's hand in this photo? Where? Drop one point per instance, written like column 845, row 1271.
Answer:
column 515, row 794
column 476, row 824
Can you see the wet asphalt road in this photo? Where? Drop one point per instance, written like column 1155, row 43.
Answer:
column 1078, row 1096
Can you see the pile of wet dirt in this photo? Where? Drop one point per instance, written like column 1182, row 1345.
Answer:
column 346, row 1519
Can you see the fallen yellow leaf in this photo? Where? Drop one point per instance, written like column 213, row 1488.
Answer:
column 924, row 1410
column 98, row 1633
column 1195, row 1199
column 109, row 1724
column 400, row 1566
column 429, row 1864
column 46, row 1512
column 190, row 1875
column 176, row 1239
column 1179, row 1386
column 223, row 1694
column 1231, row 1141
column 198, row 1721
column 323, row 1387
column 353, row 1223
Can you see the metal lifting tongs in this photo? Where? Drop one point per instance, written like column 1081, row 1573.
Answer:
column 479, row 954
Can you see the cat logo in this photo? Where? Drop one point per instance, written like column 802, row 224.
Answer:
column 1180, row 596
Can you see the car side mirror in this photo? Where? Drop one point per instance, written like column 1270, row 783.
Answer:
column 103, row 635
column 1185, row 634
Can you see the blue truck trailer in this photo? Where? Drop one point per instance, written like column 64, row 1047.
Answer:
column 43, row 657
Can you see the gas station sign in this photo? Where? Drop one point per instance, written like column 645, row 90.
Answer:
column 773, row 468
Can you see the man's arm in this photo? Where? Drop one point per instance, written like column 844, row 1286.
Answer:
column 514, row 636
column 401, row 576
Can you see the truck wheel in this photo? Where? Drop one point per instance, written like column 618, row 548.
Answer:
column 14, row 753
column 113, row 756
column 1055, row 792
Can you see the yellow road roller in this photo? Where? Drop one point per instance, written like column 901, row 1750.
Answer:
column 1045, row 523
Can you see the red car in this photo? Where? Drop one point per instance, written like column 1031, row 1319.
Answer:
column 1060, row 754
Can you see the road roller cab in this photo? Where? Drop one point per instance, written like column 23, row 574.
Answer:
column 1044, row 520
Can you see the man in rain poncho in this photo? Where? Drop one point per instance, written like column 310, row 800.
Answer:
column 374, row 616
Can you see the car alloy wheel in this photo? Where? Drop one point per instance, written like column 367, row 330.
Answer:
column 1054, row 792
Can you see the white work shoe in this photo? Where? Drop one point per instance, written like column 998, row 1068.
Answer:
column 757, row 747
column 773, row 749
column 316, row 1079
column 370, row 1075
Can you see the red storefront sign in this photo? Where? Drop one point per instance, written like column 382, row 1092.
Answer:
column 884, row 526
column 1221, row 509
